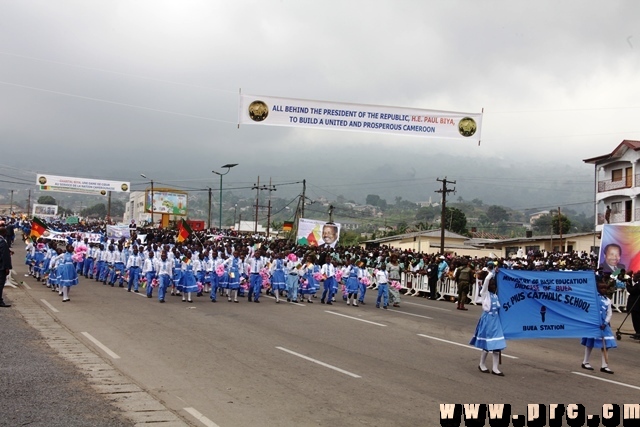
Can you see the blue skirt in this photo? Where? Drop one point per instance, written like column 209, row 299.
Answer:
column 609, row 339
column 234, row 280
column 223, row 281
column 352, row 284
column 489, row 335
column 188, row 282
column 278, row 281
column 177, row 276
column 67, row 275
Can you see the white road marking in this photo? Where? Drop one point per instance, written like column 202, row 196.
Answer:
column 52, row 308
column 410, row 314
column 25, row 285
column 354, row 318
column 102, row 346
column 198, row 416
column 461, row 345
column 326, row 365
column 425, row 306
column 11, row 284
column 284, row 300
column 606, row 380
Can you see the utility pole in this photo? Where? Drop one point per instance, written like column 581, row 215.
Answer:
column 560, row 227
column 29, row 203
column 270, row 188
column 257, row 187
column 304, row 198
column 209, row 215
column 444, row 193
column 269, row 216
column 331, row 208
column 11, row 208
column 109, row 208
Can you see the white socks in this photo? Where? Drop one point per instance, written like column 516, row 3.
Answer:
column 496, row 360
column 483, row 360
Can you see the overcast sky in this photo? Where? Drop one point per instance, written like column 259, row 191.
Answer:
column 114, row 88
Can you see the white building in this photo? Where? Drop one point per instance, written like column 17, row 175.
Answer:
column 134, row 209
column 617, row 184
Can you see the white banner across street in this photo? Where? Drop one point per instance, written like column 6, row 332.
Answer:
column 80, row 185
column 302, row 113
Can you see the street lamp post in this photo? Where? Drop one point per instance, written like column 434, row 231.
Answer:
column 228, row 166
column 151, row 204
column 235, row 212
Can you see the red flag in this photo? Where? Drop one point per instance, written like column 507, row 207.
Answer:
column 184, row 231
column 38, row 227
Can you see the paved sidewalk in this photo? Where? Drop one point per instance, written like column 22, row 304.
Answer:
column 39, row 388
column 49, row 378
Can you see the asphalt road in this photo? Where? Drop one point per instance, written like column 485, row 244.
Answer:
column 286, row 364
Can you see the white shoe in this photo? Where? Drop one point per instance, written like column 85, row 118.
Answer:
column 348, row 302
column 355, row 304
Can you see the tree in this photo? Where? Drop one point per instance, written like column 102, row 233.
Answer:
column 99, row 210
column 497, row 213
column 426, row 214
column 561, row 224
column 455, row 220
column 477, row 202
column 546, row 223
column 117, row 208
column 276, row 225
column 373, row 199
column 421, row 226
column 47, row 200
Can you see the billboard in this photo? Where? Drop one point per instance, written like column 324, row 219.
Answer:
column 70, row 184
column 318, row 233
column 166, row 201
column 44, row 210
column 620, row 248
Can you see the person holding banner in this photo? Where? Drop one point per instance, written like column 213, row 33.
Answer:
column 633, row 287
column 607, row 339
column 488, row 335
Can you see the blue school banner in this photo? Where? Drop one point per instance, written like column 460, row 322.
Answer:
column 548, row 304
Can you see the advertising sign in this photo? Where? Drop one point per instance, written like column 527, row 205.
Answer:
column 619, row 248
column 317, row 233
column 170, row 202
column 44, row 210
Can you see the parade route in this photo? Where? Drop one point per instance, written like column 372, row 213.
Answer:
column 224, row 364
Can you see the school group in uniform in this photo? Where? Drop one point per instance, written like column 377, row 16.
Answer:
column 489, row 336
column 223, row 270
column 195, row 270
